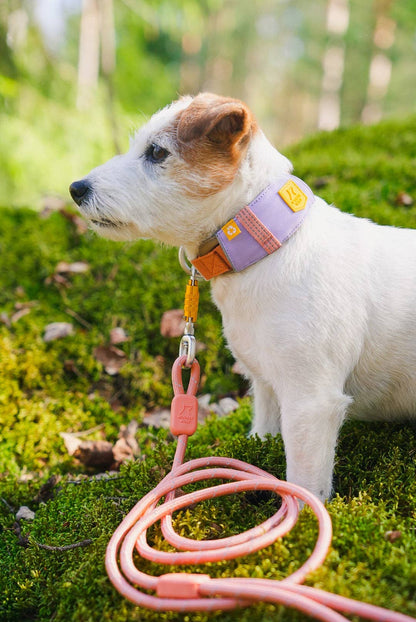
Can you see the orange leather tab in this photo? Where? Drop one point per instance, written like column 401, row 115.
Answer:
column 212, row 264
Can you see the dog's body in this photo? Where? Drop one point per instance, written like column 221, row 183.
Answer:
column 325, row 326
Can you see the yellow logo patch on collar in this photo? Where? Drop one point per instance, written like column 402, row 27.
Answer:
column 231, row 229
column 293, row 196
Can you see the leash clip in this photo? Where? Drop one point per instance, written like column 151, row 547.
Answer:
column 187, row 347
column 186, row 267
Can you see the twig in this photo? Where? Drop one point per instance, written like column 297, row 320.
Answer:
column 86, row 432
column 93, row 479
column 77, row 317
column 8, row 506
column 68, row 547
column 22, row 540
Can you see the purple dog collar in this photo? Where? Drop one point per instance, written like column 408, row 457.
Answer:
column 258, row 229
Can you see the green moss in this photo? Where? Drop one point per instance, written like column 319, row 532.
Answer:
column 48, row 388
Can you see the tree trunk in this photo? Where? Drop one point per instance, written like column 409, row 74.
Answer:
column 333, row 65
column 381, row 65
column 89, row 53
column 108, row 64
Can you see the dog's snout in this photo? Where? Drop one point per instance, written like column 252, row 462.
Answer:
column 80, row 190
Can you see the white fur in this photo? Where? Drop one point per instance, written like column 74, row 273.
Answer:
column 323, row 327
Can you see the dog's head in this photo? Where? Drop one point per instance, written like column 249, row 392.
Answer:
column 183, row 173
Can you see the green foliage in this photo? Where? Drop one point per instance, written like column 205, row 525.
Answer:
column 41, row 152
column 48, row 388
column 363, row 170
column 127, row 286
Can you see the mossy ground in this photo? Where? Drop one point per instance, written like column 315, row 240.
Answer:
column 47, row 388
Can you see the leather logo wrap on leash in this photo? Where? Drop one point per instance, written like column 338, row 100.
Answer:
column 258, row 229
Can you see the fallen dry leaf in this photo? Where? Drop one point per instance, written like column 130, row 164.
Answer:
column 22, row 309
column 403, row 198
column 128, row 432
column 90, row 453
column 57, row 330
column 102, row 453
column 20, row 291
column 159, row 418
column 69, row 366
column 4, row 319
column 25, row 305
column 95, row 453
column 25, row 513
column 126, row 447
column 118, row 335
column 172, row 323
column 77, row 267
column 112, row 358
column 51, row 204
column 19, row 314
column 79, row 223
column 392, row 536
column 72, row 442
column 47, row 490
column 321, row 182
column 59, row 279
column 227, row 405
column 221, row 408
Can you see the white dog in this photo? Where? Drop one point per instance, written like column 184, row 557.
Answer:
column 317, row 305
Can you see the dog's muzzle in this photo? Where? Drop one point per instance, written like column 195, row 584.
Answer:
column 80, row 191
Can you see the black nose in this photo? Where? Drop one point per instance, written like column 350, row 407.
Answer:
column 80, row 190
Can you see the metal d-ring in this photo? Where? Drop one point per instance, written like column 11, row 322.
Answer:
column 187, row 267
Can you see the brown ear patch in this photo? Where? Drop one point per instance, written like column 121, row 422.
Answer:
column 212, row 136
column 220, row 119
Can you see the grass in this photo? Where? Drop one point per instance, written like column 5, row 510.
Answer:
column 48, row 388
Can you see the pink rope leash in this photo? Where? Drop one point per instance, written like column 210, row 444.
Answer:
column 197, row 592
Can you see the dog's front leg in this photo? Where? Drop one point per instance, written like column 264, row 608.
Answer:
column 310, row 429
column 266, row 410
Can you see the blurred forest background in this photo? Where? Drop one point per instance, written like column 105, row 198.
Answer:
column 78, row 76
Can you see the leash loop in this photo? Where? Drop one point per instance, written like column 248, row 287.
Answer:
column 177, row 377
column 199, row 592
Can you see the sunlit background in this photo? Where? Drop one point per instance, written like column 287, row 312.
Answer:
column 78, row 76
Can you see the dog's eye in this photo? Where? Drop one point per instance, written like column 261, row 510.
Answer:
column 156, row 153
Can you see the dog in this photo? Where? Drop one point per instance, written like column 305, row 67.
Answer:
column 322, row 319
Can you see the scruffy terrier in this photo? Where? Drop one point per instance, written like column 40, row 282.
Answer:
column 318, row 306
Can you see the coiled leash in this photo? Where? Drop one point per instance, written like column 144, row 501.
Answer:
column 197, row 592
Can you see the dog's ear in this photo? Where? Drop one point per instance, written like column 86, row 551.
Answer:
column 222, row 120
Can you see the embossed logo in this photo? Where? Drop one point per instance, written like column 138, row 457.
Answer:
column 293, row 196
column 186, row 415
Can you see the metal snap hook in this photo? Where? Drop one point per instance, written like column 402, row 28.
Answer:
column 188, row 268
column 187, row 348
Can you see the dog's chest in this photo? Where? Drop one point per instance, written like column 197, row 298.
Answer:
column 243, row 305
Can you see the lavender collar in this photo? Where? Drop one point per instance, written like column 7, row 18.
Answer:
column 258, row 229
